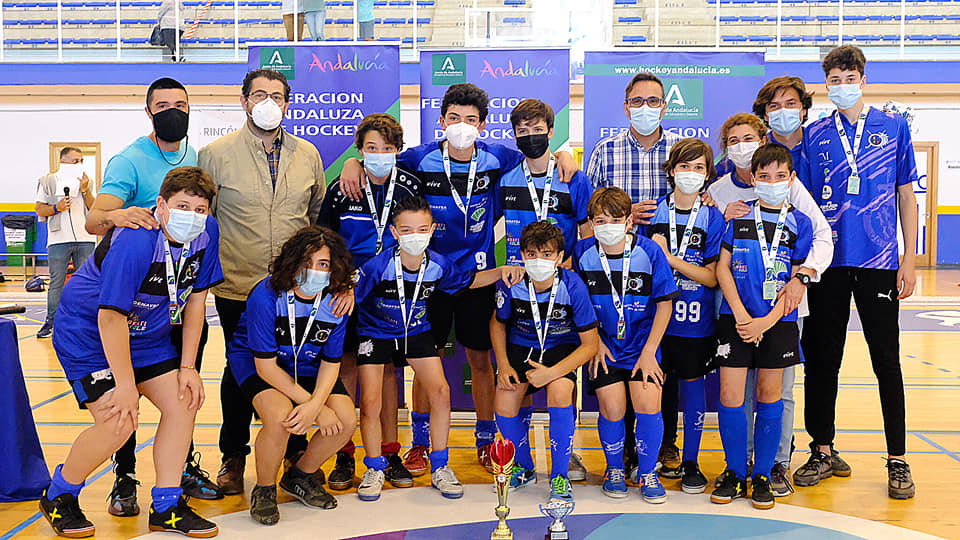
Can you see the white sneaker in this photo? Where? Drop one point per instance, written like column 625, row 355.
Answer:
column 576, row 472
column 370, row 485
column 444, row 480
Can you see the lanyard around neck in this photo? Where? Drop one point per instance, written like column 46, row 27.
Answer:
column 173, row 278
column 542, row 327
column 292, row 321
column 542, row 209
column 402, row 293
column 380, row 221
column 851, row 153
column 624, row 280
column 463, row 205
column 769, row 257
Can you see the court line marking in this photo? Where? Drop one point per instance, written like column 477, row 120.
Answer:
column 29, row 521
column 938, row 446
column 50, row 400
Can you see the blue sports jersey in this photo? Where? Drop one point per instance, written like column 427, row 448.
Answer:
column 379, row 304
column 865, row 225
column 650, row 281
column 134, row 175
column 746, row 262
column 469, row 250
column 264, row 332
column 567, row 210
column 127, row 273
column 352, row 219
column 693, row 310
column 572, row 312
column 725, row 166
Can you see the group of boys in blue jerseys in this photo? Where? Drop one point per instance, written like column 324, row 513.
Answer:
column 707, row 280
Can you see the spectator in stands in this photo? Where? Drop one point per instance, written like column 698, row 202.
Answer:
column 129, row 192
column 316, row 14
column 291, row 26
column 67, row 238
column 169, row 26
column 270, row 185
column 365, row 19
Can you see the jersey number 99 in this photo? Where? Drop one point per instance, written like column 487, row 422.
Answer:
column 686, row 312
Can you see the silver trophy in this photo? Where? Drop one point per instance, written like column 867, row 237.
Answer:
column 557, row 509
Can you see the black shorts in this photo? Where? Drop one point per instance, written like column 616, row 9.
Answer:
column 779, row 348
column 92, row 387
column 383, row 351
column 517, row 355
column 470, row 310
column 351, row 340
column 254, row 385
column 688, row 357
column 614, row 375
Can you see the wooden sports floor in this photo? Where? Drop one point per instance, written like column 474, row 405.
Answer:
column 931, row 366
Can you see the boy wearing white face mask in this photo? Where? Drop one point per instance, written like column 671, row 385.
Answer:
column 761, row 253
column 394, row 326
column 543, row 331
column 632, row 288
column 116, row 317
column 860, row 167
column 689, row 234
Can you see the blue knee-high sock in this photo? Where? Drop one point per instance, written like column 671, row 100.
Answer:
column 59, row 486
column 421, row 428
column 561, row 439
column 649, row 435
column 766, row 436
column 733, row 433
column 376, row 463
column 612, row 437
column 165, row 498
column 694, row 407
column 485, row 432
column 515, row 431
column 526, row 414
column 438, row 458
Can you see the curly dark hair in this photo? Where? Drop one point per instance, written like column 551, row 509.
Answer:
column 384, row 124
column 466, row 94
column 541, row 234
column 295, row 256
column 845, row 57
column 193, row 180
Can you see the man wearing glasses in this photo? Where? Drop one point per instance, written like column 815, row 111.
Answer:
column 270, row 184
column 632, row 161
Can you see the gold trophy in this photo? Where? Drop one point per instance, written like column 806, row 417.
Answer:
column 502, row 455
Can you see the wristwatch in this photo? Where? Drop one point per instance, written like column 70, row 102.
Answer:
column 805, row 279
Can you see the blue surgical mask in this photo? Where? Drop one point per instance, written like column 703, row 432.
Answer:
column 313, row 282
column 379, row 165
column 845, row 96
column 772, row 194
column 184, row 226
column 784, row 121
column 645, row 119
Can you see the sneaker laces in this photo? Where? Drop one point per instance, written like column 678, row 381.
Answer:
column 416, row 452
column 193, row 468
column 615, row 475
column 899, row 470
column 559, row 484
column 115, row 492
column 445, row 474
column 650, row 479
column 372, row 477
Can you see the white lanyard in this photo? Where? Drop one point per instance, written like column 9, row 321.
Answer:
column 292, row 320
column 625, row 277
column 380, row 222
column 471, row 177
column 173, row 278
column 402, row 293
column 542, row 327
column 541, row 209
column 769, row 257
column 853, row 182
column 688, row 229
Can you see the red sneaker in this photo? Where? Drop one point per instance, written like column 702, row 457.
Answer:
column 484, row 457
column 415, row 460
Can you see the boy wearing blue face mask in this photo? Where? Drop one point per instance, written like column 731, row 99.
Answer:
column 858, row 164
column 761, row 253
column 117, row 314
column 364, row 225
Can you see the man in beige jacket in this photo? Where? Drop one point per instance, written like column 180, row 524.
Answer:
column 270, row 184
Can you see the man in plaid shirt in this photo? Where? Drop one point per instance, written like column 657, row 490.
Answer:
column 632, row 159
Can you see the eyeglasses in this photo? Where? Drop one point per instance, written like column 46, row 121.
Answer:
column 260, row 95
column 654, row 102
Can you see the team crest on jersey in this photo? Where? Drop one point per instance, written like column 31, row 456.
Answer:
column 827, row 192
column 482, row 183
column 501, row 299
column 427, row 291
column 321, row 336
column 554, row 202
column 635, row 284
column 878, row 140
column 558, row 314
column 695, row 239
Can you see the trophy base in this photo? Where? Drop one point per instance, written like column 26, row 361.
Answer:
column 557, row 535
column 502, row 536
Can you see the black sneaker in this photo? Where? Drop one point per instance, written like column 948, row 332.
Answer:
column 341, row 477
column 726, row 474
column 814, row 470
column 731, row 488
column 123, row 496
column 180, row 518
column 762, row 496
column 263, row 505
column 305, row 488
column 289, row 462
column 780, row 480
column 899, row 480
column 838, row 466
column 396, row 473
column 45, row 331
column 196, row 482
column 669, row 460
column 691, row 479
column 65, row 516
